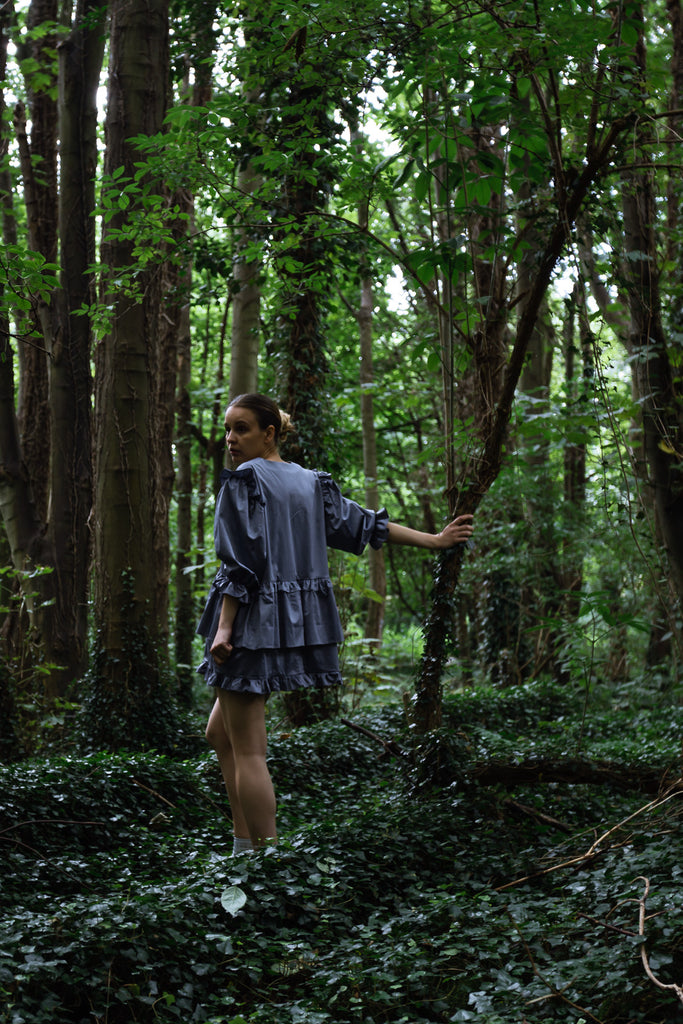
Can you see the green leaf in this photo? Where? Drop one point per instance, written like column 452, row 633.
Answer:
column 233, row 899
column 404, row 174
column 422, row 184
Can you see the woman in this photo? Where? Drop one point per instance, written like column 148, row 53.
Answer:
column 270, row 622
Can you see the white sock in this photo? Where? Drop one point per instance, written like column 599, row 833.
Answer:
column 241, row 845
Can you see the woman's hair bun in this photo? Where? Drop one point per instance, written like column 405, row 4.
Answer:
column 286, row 425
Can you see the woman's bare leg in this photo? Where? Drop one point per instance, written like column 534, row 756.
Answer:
column 244, row 719
column 217, row 737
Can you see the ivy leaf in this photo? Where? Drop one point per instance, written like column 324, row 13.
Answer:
column 233, row 899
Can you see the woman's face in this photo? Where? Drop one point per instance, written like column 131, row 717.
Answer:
column 244, row 437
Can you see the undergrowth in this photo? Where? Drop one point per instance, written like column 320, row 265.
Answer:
column 403, row 890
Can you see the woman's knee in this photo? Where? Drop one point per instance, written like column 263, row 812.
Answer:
column 216, row 735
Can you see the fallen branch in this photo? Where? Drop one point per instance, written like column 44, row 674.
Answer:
column 597, row 849
column 391, row 747
column 532, row 812
column 573, row 771
column 153, row 792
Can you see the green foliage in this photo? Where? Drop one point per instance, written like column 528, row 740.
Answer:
column 26, row 281
column 119, row 901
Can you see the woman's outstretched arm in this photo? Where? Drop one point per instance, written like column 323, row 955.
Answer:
column 456, row 532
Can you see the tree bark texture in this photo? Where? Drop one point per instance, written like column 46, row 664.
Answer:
column 38, row 159
column 128, row 364
column 377, row 574
column 300, row 351
column 70, row 383
column 23, row 525
column 656, row 383
column 55, row 367
column 246, row 303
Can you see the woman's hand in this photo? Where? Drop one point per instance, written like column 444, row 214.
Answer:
column 458, row 531
column 221, row 648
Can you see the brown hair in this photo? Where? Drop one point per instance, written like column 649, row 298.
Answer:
column 267, row 413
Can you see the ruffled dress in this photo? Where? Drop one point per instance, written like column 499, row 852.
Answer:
column 274, row 522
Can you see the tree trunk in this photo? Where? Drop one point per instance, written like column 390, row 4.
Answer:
column 377, row 574
column 426, row 707
column 299, row 351
column 580, row 383
column 655, row 380
column 22, row 522
column 246, row 303
column 38, row 158
column 184, row 600
column 129, row 610
column 62, row 472
column 70, row 381
column 184, row 590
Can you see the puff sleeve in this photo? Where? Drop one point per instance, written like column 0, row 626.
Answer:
column 240, row 535
column 348, row 526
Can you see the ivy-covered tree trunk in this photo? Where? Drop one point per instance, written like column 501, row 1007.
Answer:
column 11, row 470
column 125, row 685
column 299, row 347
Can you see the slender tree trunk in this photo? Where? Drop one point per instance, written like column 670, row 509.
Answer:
column 246, row 303
column 38, row 158
column 184, row 600
column 184, row 591
column 426, row 707
column 377, row 574
column 8, row 737
column 70, row 381
column 580, row 383
column 660, row 394
column 60, row 358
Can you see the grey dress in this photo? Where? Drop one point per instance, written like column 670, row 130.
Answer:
column 273, row 524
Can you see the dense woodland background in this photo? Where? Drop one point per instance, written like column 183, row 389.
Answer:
column 447, row 237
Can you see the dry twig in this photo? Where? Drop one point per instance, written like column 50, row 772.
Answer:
column 678, row 989
column 597, row 849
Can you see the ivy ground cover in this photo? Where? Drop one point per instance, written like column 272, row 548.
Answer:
column 404, row 889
